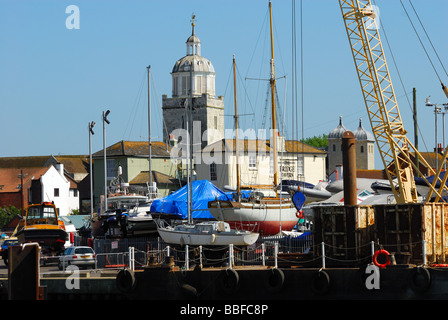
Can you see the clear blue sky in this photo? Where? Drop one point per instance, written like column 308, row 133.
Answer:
column 54, row 81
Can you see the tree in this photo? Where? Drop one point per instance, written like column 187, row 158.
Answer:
column 320, row 142
column 7, row 213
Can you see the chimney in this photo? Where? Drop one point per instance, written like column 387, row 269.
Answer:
column 60, row 168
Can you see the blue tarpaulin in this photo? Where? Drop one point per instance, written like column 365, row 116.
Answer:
column 203, row 192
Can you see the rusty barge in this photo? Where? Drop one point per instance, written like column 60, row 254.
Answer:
column 338, row 266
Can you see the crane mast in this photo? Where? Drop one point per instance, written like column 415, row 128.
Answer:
column 379, row 96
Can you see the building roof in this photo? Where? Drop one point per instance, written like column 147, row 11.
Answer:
column 10, row 180
column 245, row 145
column 253, row 145
column 77, row 220
column 72, row 163
column 135, row 149
column 361, row 134
column 158, row 177
column 294, row 146
column 199, row 63
column 337, row 132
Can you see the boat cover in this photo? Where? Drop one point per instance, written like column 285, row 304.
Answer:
column 298, row 199
column 203, row 192
column 422, row 182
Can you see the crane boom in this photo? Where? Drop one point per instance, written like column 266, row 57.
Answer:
column 379, row 96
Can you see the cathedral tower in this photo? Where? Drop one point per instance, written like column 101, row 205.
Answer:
column 196, row 72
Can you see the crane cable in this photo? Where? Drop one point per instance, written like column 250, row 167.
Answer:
column 445, row 90
column 399, row 75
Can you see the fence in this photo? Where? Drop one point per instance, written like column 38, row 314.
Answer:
column 138, row 252
column 147, row 251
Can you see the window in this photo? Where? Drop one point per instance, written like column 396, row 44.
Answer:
column 300, row 169
column 56, row 192
column 213, row 175
column 252, row 162
column 111, row 170
column 362, row 149
column 73, row 192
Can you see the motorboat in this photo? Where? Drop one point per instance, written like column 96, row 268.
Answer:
column 41, row 224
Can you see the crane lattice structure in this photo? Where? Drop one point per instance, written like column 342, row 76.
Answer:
column 382, row 108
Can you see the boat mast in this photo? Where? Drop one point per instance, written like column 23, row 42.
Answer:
column 272, row 82
column 149, row 134
column 238, row 185
column 190, row 137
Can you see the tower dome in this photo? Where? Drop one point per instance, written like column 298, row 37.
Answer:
column 194, row 66
column 337, row 132
column 361, row 134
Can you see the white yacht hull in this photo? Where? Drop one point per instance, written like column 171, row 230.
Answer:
column 178, row 237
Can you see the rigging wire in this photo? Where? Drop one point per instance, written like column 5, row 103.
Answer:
column 133, row 114
column 399, row 76
column 424, row 29
column 421, row 42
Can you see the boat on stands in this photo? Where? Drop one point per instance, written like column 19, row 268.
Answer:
column 267, row 210
column 41, row 224
column 208, row 233
column 127, row 213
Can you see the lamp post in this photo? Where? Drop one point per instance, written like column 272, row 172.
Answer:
column 91, row 125
column 437, row 110
column 105, row 120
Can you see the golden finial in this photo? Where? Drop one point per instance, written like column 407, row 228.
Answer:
column 193, row 21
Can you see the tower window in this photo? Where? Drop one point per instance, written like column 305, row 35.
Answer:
column 213, row 175
column 362, row 149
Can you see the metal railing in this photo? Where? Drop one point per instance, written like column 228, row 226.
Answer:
column 146, row 251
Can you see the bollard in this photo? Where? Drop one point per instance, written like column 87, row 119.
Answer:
column 231, row 255
column 276, row 253
column 187, row 262
column 372, row 248
column 424, row 251
column 131, row 258
column 200, row 256
column 323, row 255
column 262, row 254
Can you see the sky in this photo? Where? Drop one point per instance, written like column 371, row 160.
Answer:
column 55, row 80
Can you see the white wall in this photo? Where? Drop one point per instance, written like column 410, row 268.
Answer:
column 52, row 180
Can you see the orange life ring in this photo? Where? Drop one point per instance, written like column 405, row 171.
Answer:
column 375, row 257
column 300, row 215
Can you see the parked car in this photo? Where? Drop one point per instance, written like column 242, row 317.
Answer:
column 78, row 256
column 4, row 248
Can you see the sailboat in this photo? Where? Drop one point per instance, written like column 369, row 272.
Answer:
column 207, row 233
column 270, row 214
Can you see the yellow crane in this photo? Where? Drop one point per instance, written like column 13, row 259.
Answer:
column 394, row 147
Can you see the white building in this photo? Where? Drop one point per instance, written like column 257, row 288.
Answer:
column 56, row 187
column 296, row 161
